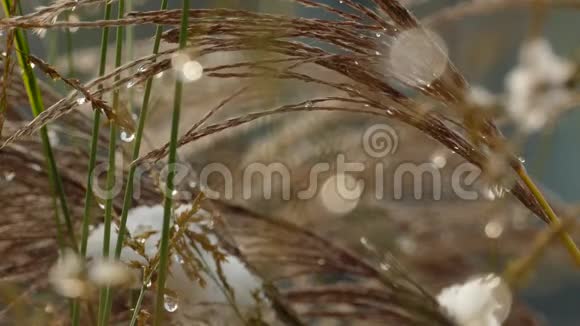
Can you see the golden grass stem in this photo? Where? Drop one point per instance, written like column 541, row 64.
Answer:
column 554, row 220
column 516, row 272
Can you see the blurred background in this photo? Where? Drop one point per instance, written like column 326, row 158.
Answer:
column 485, row 47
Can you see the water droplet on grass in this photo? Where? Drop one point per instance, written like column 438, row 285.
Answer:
column 127, row 137
column 170, row 303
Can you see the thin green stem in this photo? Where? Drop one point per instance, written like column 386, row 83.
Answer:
column 144, row 286
column 107, row 301
column 128, row 197
column 103, row 304
column 168, row 206
column 59, row 232
column 130, row 47
column 92, row 158
column 37, row 106
column 517, row 270
column 554, row 220
column 94, row 140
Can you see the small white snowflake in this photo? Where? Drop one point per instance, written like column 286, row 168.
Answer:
column 537, row 85
column 65, row 275
column 481, row 301
column 110, row 273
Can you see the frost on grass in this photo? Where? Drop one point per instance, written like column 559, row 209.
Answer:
column 537, row 86
column 144, row 225
column 66, row 276
column 107, row 272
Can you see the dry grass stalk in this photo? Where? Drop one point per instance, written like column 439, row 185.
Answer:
column 354, row 48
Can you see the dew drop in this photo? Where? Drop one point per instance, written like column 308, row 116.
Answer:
column 439, row 160
column 178, row 259
column 131, row 83
column 9, row 176
column 35, row 167
column 493, row 229
column 384, row 266
column 170, row 303
column 192, row 71
column 81, row 100
column 209, row 223
column 340, row 193
column 127, row 136
column 407, row 245
column 49, row 309
column 364, row 241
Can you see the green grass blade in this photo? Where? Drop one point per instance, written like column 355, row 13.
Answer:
column 104, row 293
column 92, row 158
column 106, row 302
column 37, row 106
column 164, row 247
column 128, row 197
